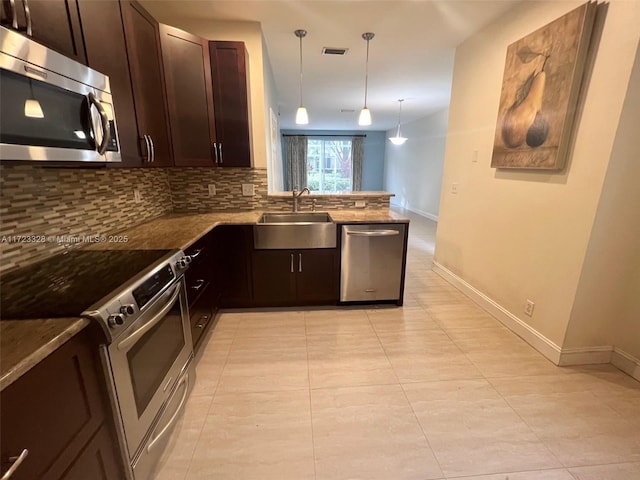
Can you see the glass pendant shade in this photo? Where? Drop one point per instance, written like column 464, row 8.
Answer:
column 398, row 139
column 365, row 117
column 302, row 117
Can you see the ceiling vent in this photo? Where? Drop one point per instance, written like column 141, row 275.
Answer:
column 334, row 51
column 347, row 110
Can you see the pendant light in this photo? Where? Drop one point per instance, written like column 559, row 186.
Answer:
column 365, row 114
column 302, row 117
column 398, row 139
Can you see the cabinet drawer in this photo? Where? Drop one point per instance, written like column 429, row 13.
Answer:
column 199, row 275
column 201, row 316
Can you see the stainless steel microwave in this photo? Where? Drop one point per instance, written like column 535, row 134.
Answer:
column 53, row 108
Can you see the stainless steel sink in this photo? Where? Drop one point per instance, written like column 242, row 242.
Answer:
column 295, row 218
column 294, row 231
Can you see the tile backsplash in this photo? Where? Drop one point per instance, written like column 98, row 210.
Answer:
column 45, row 210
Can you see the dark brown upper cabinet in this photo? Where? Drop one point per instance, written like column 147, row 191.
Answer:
column 102, row 19
column 230, row 100
column 53, row 23
column 142, row 39
column 189, row 98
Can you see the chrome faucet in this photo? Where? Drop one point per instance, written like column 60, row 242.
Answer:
column 296, row 195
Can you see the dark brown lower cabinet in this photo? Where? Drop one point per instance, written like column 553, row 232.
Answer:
column 96, row 461
column 232, row 246
column 295, row 277
column 58, row 411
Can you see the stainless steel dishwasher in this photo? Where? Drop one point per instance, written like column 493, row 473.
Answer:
column 372, row 262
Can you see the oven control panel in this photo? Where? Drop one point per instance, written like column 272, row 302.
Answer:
column 154, row 284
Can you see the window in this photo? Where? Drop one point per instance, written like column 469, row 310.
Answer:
column 329, row 165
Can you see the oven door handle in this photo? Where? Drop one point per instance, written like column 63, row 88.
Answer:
column 135, row 336
column 173, row 418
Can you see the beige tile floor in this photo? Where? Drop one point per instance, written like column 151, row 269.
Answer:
column 436, row 389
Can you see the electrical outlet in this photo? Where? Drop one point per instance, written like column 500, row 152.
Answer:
column 212, row 190
column 137, row 197
column 454, row 187
column 248, row 189
column 528, row 308
column 361, row 204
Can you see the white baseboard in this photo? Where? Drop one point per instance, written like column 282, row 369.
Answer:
column 534, row 338
column 626, row 362
column 586, row 355
column 422, row 213
column 560, row 356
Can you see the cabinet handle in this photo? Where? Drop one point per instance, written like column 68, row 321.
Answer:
column 17, row 461
column 195, row 255
column 300, row 263
column 220, row 147
column 215, row 151
column 27, row 14
column 146, row 141
column 199, row 284
column 292, row 263
column 153, row 149
column 14, row 14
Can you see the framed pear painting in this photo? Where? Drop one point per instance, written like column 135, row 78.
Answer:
column 540, row 88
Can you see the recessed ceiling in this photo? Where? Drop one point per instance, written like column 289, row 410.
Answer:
column 411, row 56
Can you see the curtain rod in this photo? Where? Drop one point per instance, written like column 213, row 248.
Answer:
column 325, row 135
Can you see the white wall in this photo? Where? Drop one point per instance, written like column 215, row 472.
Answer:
column 516, row 235
column 413, row 171
column 606, row 309
column 272, row 121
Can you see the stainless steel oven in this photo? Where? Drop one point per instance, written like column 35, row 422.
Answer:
column 53, row 108
column 149, row 359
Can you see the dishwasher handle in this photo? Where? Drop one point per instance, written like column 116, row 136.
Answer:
column 374, row 233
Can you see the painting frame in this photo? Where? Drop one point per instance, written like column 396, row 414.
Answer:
column 540, row 91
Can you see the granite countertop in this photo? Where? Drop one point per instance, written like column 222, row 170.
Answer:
column 24, row 343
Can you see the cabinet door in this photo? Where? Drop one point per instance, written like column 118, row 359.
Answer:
column 230, row 100
column 232, row 251
column 274, row 277
column 147, row 77
column 188, row 75
column 102, row 19
column 97, row 461
column 54, row 23
column 316, row 276
column 53, row 410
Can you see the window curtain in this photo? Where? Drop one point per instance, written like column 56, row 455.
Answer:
column 295, row 147
column 357, row 156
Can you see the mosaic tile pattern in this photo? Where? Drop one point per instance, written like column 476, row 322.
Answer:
column 190, row 194
column 44, row 211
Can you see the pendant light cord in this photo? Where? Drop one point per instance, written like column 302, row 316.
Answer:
column 300, row 70
column 366, row 76
column 367, row 36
